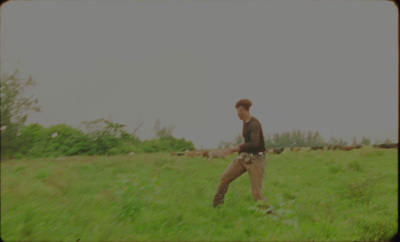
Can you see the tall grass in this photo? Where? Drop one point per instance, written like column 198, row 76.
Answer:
column 316, row 195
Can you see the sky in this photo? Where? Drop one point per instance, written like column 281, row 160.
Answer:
column 326, row 66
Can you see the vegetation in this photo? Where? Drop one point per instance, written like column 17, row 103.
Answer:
column 14, row 109
column 102, row 136
column 63, row 140
column 324, row 195
column 297, row 138
column 64, row 186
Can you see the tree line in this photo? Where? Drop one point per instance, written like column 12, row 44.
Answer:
column 98, row 137
column 104, row 137
column 298, row 138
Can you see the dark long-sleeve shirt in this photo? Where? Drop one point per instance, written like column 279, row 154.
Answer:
column 253, row 137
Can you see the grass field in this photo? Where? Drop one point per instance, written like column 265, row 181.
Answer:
column 317, row 195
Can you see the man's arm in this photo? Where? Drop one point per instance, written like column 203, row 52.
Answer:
column 254, row 141
column 234, row 149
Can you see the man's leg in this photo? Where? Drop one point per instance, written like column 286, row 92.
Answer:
column 256, row 170
column 234, row 170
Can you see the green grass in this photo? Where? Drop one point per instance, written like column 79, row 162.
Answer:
column 317, row 195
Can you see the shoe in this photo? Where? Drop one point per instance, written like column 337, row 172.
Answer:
column 271, row 211
column 266, row 207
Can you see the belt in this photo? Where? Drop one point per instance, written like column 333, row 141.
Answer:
column 254, row 153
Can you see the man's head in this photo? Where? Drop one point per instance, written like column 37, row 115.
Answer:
column 243, row 108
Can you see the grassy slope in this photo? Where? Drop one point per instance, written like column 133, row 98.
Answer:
column 317, row 195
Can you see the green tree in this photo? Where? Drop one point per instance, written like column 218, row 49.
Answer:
column 268, row 141
column 285, row 140
column 309, row 139
column 163, row 132
column 333, row 141
column 388, row 141
column 30, row 136
column 15, row 107
column 365, row 141
column 135, row 133
column 297, row 138
column 354, row 141
column 276, row 140
column 341, row 142
column 317, row 139
column 106, row 137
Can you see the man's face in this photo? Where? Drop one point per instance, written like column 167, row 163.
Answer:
column 241, row 112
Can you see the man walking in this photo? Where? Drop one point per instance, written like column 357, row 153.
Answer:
column 251, row 156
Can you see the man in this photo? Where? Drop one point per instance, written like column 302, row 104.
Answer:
column 251, row 156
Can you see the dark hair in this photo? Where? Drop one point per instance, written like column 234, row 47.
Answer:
column 245, row 103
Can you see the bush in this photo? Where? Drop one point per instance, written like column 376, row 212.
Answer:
column 165, row 145
column 56, row 140
column 63, row 140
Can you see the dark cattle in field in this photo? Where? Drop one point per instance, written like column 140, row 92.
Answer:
column 317, row 148
column 180, row 154
column 358, row 146
column 205, row 153
column 278, row 151
column 348, row 148
column 336, row 147
column 387, row 146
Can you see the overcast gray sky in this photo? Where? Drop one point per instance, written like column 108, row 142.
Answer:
column 327, row 66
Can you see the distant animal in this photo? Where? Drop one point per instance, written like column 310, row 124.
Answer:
column 278, row 151
column 358, row 146
column 180, row 154
column 387, row 146
column 218, row 154
column 317, row 148
column 205, row 153
column 194, row 153
column 295, row 149
column 348, row 148
column 191, row 153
